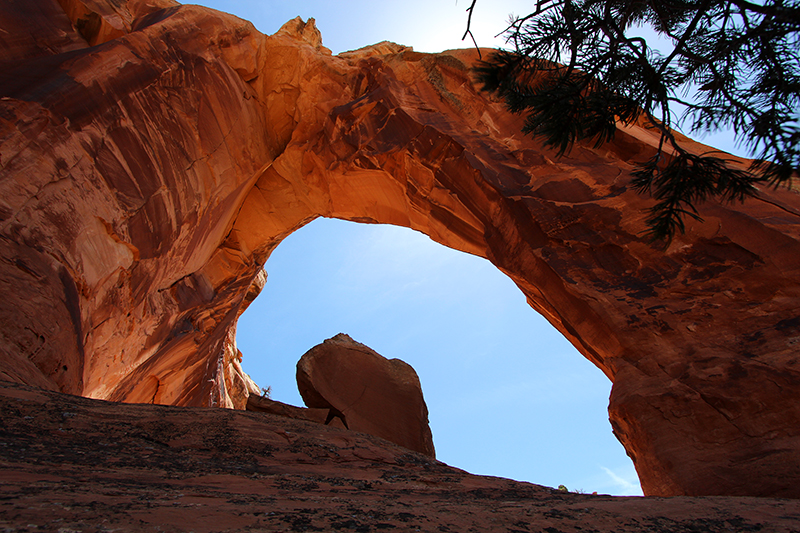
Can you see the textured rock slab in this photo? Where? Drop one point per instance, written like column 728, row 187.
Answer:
column 372, row 394
column 260, row 404
column 74, row 464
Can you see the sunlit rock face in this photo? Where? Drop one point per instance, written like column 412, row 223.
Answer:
column 154, row 155
column 371, row 394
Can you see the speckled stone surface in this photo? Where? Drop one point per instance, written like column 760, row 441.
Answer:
column 74, row 464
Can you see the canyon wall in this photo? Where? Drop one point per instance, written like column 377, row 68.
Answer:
column 153, row 155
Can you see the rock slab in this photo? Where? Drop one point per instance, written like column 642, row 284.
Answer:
column 75, row 464
column 371, row 394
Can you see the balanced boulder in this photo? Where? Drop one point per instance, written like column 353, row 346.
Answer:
column 370, row 393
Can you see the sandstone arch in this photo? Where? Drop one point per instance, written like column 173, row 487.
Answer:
column 146, row 179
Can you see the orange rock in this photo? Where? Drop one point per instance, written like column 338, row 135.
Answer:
column 144, row 182
column 370, row 393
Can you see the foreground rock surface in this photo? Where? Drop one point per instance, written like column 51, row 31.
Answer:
column 153, row 155
column 75, row 464
column 371, row 394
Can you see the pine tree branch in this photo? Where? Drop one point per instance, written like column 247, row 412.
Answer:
column 787, row 15
column 540, row 8
column 741, row 59
column 470, row 10
column 681, row 44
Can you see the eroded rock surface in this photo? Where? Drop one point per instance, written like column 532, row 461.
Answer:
column 75, row 464
column 371, row 394
column 261, row 404
column 153, row 155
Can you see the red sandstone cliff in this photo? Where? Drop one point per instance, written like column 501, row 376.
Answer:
column 153, row 155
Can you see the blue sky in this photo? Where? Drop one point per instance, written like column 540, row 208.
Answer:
column 507, row 394
column 429, row 26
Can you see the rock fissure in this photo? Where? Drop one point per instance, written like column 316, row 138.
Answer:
column 778, row 205
column 727, row 416
column 213, row 151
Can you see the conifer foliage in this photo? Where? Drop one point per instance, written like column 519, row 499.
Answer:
column 577, row 67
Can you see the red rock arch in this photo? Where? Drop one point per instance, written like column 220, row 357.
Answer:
column 146, row 180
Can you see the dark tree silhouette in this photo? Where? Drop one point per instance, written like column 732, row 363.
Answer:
column 577, row 67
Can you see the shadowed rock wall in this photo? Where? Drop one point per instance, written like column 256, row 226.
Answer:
column 152, row 157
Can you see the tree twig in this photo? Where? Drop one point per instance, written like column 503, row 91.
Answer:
column 470, row 10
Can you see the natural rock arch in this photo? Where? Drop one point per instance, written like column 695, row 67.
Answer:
column 146, row 179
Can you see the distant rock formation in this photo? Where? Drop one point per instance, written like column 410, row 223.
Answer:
column 368, row 392
column 153, row 155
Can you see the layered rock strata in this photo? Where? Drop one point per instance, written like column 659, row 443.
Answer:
column 153, row 155
column 366, row 391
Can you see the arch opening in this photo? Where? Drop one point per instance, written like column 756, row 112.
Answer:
column 507, row 394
